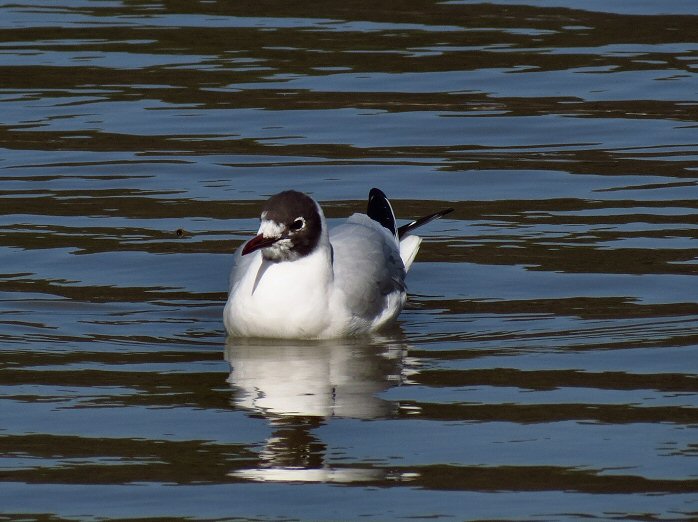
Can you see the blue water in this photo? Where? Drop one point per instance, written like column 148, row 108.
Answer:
column 544, row 368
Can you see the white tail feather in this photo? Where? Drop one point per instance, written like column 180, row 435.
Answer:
column 409, row 246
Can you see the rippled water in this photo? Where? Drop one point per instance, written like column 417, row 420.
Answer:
column 546, row 365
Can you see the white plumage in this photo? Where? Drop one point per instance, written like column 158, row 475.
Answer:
column 296, row 279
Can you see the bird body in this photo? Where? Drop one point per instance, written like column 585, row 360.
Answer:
column 297, row 279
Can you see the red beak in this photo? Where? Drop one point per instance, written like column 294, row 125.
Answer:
column 258, row 242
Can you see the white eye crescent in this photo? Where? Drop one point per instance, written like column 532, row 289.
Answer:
column 297, row 224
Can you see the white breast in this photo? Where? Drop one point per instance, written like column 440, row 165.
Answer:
column 279, row 299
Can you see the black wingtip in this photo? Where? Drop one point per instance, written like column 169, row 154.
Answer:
column 405, row 229
column 380, row 210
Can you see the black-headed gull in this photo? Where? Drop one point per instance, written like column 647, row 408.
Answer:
column 297, row 279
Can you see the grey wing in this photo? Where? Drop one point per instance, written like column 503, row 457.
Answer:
column 367, row 265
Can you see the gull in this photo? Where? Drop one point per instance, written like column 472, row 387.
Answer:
column 298, row 280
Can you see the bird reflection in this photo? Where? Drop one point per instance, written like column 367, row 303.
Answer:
column 299, row 385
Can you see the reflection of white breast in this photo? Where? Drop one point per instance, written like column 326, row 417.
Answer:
column 319, row 379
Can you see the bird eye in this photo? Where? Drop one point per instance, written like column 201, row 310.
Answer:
column 297, row 224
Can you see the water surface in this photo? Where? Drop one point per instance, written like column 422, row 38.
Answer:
column 545, row 367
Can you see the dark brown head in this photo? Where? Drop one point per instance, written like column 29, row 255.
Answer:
column 291, row 227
